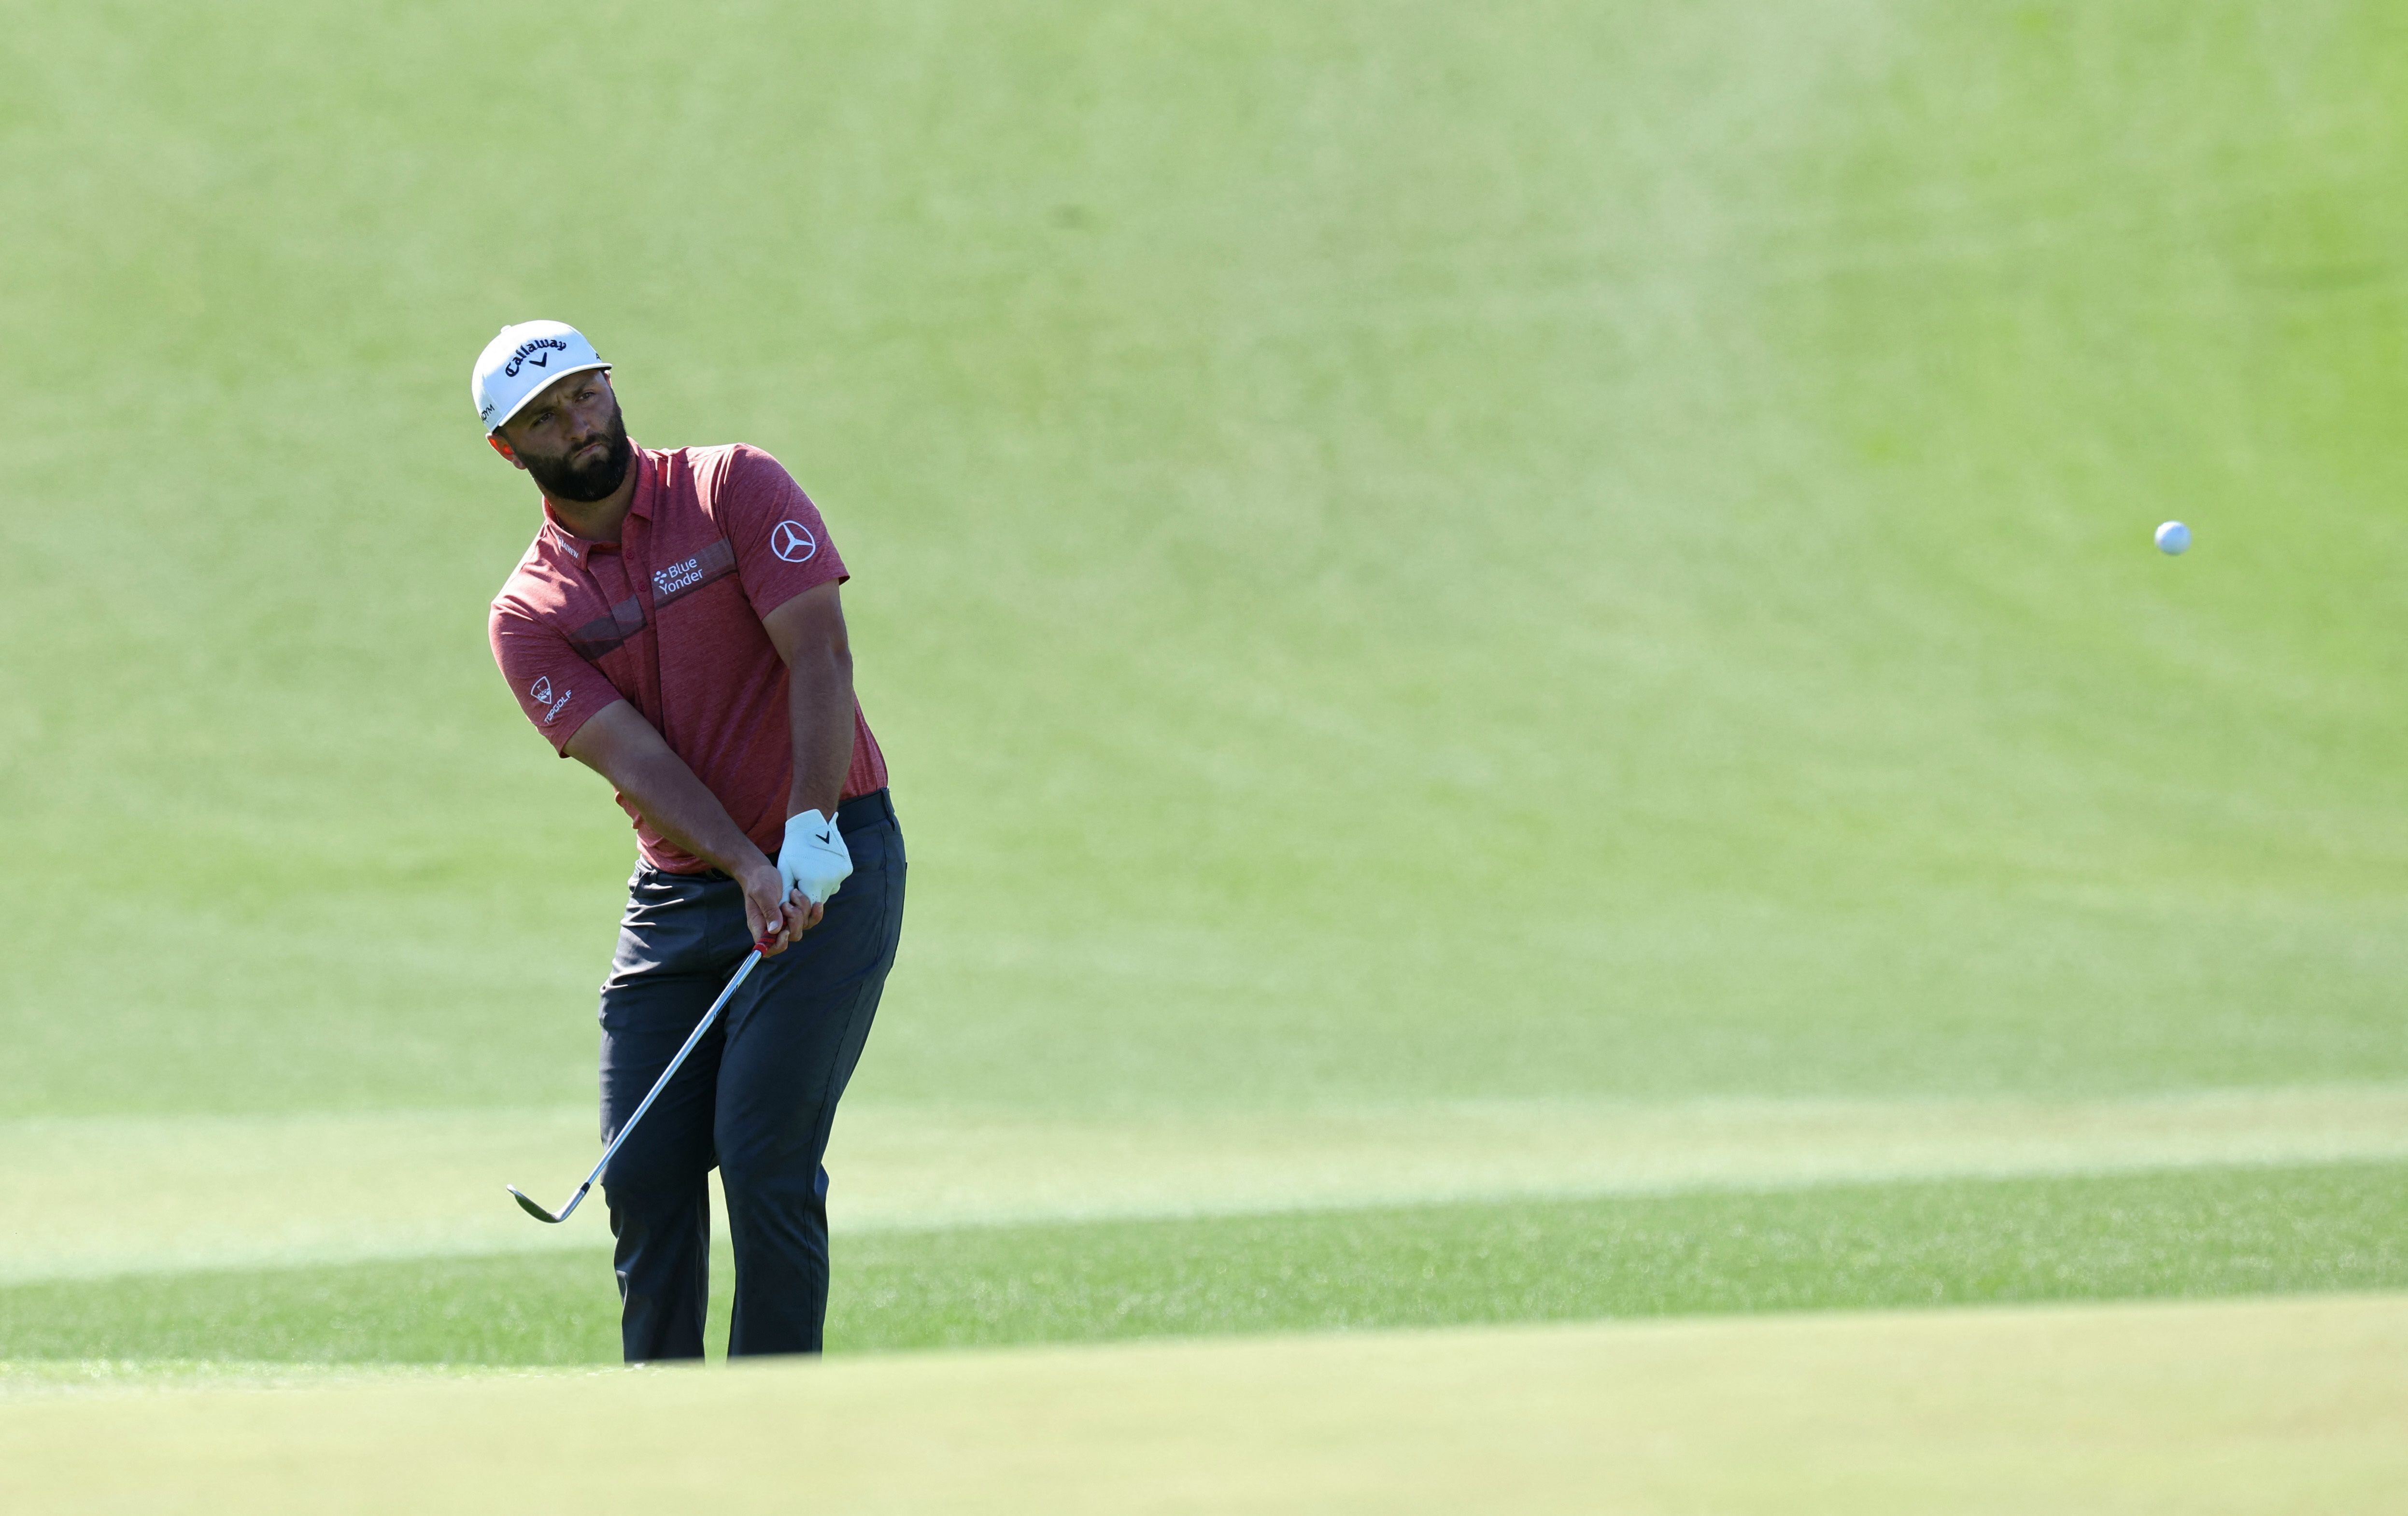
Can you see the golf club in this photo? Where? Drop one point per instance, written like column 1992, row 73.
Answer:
column 658, row 1085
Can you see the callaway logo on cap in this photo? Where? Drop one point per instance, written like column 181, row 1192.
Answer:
column 516, row 365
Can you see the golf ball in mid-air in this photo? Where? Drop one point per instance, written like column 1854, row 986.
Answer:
column 2172, row 537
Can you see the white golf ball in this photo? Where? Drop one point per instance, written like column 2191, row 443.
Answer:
column 2172, row 537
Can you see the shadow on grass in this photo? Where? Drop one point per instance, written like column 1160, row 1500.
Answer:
column 2196, row 1232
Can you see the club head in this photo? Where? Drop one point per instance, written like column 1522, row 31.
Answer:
column 535, row 1211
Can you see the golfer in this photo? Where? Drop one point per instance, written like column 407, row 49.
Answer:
column 676, row 628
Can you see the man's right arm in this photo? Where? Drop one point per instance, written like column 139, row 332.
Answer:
column 617, row 743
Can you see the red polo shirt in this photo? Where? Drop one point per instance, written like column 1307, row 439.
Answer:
column 668, row 618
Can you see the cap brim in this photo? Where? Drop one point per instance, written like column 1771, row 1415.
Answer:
column 524, row 399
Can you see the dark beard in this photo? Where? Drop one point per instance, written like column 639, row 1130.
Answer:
column 563, row 480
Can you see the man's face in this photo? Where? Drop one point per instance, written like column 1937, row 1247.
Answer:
column 571, row 438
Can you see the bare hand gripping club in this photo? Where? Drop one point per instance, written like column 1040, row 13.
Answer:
column 658, row 1085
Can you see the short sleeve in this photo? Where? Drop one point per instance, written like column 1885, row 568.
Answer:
column 559, row 691
column 781, row 545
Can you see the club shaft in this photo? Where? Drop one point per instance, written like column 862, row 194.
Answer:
column 668, row 1074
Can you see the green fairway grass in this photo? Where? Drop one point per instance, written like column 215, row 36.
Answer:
column 1519, row 647
column 2212, row 1232
column 101, row 1195
column 2197, row 1233
column 2217, row 1408
column 1585, row 550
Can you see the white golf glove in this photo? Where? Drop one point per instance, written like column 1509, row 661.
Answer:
column 813, row 858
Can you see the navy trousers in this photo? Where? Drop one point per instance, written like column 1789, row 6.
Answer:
column 755, row 1098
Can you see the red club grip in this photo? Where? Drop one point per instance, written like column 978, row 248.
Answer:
column 769, row 940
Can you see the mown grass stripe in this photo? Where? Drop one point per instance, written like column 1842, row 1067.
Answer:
column 2224, row 1406
column 97, row 1196
column 1959, row 1242
column 2194, row 1232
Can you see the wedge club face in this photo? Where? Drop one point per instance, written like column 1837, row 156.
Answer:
column 537, row 1211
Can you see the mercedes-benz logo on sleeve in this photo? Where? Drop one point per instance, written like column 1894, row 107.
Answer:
column 792, row 541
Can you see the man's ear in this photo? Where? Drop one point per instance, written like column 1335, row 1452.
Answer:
column 504, row 449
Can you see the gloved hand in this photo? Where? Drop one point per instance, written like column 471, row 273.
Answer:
column 813, row 858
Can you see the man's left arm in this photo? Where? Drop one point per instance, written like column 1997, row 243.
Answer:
column 808, row 631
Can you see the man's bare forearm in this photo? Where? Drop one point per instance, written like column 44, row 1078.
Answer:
column 819, row 702
column 622, row 747
column 808, row 633
column 681, row 810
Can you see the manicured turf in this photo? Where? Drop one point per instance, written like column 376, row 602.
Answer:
column 2211, row 1231
column 100, row 1196
column 1409, row 559
column 1401, row 553
column 2199, row 1233
column 2217, row 1408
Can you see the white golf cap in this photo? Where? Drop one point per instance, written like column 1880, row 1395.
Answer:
column 521, row 361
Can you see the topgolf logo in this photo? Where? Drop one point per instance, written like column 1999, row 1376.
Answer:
column 540, row 693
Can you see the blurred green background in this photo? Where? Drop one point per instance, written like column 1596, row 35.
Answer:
column 1400, row 553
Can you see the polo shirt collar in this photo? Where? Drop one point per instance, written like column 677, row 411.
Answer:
column 648, row 483
column 648, row 489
